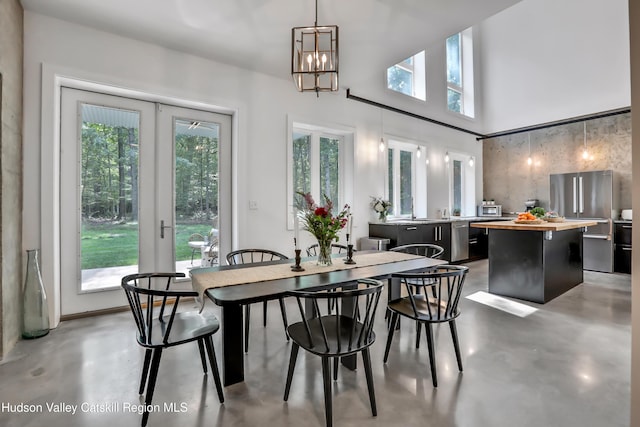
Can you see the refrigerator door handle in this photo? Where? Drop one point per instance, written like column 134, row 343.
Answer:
column 581, row 194
column 575, row 191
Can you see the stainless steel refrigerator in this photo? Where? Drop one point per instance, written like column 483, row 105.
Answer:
column 589, row 195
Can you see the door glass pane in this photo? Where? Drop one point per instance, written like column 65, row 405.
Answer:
column 109, row 195
column 196, row 193
column 329, row 149
column 301, row 163
column 405, row 183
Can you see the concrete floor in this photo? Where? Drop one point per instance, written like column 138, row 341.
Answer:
column 568, row 364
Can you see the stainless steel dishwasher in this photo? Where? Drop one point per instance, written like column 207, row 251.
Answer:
column 459, row 240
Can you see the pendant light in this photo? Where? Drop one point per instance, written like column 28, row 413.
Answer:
column 471, row 161
column 314, row 57
column 418, row 152
column 446, row 157
column 529, row 159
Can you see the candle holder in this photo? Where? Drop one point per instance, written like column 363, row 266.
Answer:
column 297, row 267
column 349, row 258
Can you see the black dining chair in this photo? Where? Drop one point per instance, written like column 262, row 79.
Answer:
column 155, row 311
column 433, row 298
column 333, row 333
column 254, row 256
column 428, row 250
column 336, row 248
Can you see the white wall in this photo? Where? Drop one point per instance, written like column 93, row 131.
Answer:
column 261, row 103
column 545, row 60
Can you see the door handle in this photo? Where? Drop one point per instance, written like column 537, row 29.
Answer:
column 162, row 227
column 411, row 228
column 597, row 236
column 626, row 249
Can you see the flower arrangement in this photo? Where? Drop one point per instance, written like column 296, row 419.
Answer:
column 320, row 221
column 381, row 207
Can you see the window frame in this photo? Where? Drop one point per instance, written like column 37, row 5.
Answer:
column 467, row 181
column 346, row 136
column 416, row 65
column 418, row 176
column 466, row 87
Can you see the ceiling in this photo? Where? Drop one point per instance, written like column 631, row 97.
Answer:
column 255, row 34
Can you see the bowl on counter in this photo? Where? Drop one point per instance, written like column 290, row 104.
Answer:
column 626, row 214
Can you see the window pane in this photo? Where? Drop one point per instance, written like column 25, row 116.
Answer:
column 454, row 69
column 391, row 180
column 400, row 80
column 457, row 185
column 301, row 163
column 454, row 100
column 405, row 183
column 329, row 168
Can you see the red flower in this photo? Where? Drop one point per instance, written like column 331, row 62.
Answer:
column 321, row 212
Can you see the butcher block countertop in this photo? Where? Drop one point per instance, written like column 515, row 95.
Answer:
column 545, row 226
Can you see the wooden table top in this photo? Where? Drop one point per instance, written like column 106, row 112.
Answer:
column 545, row 226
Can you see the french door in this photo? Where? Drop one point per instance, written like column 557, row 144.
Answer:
column 144, row 187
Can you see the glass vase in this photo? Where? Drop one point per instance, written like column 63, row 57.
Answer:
column 382, row 216
column 35, row 316
column 324, row 252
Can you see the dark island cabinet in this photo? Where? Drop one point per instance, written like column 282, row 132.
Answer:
column 406, row 234
column 478, row 244
column 622, row 254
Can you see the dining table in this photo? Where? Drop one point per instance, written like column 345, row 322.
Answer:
column 232, row 286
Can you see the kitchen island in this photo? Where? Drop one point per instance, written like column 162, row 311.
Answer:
column 534, row 262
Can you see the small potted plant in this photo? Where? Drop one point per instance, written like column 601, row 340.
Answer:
column 456, row 212
column 381, row 207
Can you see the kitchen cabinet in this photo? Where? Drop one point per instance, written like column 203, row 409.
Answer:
column 478, row 244
column 407, row 233
column 622, row 252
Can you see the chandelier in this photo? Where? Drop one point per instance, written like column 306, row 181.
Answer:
column 314, row 57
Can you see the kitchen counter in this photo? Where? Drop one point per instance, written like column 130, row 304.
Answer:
column 545, row 226
column 440, row 220
column 534, row 262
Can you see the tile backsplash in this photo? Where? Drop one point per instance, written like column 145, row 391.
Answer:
column 510, row 181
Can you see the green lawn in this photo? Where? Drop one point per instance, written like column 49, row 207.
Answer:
column 112, row 245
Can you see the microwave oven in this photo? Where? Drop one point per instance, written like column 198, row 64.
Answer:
column 490, row 210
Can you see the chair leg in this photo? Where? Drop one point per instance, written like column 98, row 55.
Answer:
column 328, row 401
column 145, row 370
column 153, row 375
column 247, row 321
column 392, row 328
column 366, row 361
column 264, row 314
column 456, row 345
column 283, row 311
column 335, row 368
column 214, row 366
column 418, row 332
column 202, row 358
column 428, row 330
column 292, row 366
